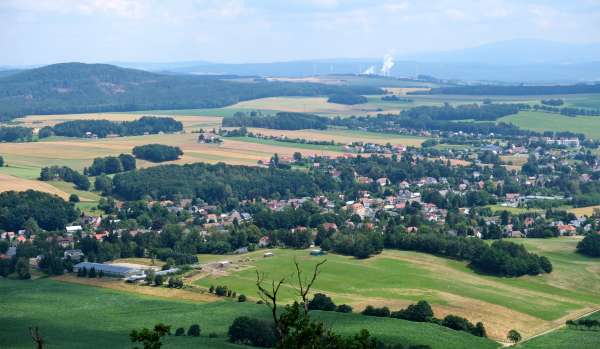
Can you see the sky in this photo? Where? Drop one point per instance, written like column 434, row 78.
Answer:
column 242, row 31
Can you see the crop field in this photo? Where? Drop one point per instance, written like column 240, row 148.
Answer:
column 584, row 211
column 62, row 312
column 396, row 278
column 8, row 183
column 540, row 121
column 24, row 160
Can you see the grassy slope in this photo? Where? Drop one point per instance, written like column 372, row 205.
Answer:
column 64, row 314
column 398, row 277
column 540, row 121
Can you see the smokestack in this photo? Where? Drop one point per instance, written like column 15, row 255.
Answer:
column 369, row 71
column 388, row 63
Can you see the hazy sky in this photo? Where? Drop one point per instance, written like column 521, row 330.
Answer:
column 49, row 31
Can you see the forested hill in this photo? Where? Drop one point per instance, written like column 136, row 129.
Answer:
column 80, row 88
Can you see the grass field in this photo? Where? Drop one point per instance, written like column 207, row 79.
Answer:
column 565, row 338
column 77, row 316
column 396, row 278
column 540, row 121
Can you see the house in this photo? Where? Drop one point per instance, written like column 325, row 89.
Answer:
column 330, row 226
column 516, row 234
column 383, row 181
column 241, row 250
column 74, row 229
column 74, row 255
column 264, row 241
column 566, row 229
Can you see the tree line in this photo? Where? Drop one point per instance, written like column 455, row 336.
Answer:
column 15, row 134
column 502, row 258
column 111, row 165
column 279, row 121
column 66, row 174
column 515, row 90
column 103, row 128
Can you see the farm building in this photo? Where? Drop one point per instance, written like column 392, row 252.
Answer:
column 110, row 269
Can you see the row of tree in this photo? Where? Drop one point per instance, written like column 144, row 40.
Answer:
column 279, row 121
column 103, row 128
column 66, row 174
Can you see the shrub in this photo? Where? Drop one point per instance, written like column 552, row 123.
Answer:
column 92, row 273
column 379, row 312
column 590, row 246
column 242, row 298
column 180, row 331
column 159, row 280
column 420, row 312
column 321, row 301
column 194, row 331
column 343, row 308
column 249, row 331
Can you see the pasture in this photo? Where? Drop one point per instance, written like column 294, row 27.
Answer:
column 540, row 122
column 63, row 312
column 530, row 304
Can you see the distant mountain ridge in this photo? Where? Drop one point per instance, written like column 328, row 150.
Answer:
column 80, row 88
column 506, row 61
column 517, row 52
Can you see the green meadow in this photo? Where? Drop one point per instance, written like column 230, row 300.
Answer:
column 78, row 316
column 540, row 122
column 396, row 278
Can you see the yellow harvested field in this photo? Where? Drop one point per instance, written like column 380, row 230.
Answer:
column 8, row 183
column 116, row 284
column 403, row 91
column 189, row 122
column 584, row 211
column 316, row 105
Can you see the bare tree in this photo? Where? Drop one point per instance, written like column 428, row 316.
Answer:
column 305, row 285
column 37, row 337
column 269, row 295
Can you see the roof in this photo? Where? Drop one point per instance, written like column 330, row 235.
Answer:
column 109, row 268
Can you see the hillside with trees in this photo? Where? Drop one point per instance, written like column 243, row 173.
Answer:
column 84, row 88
